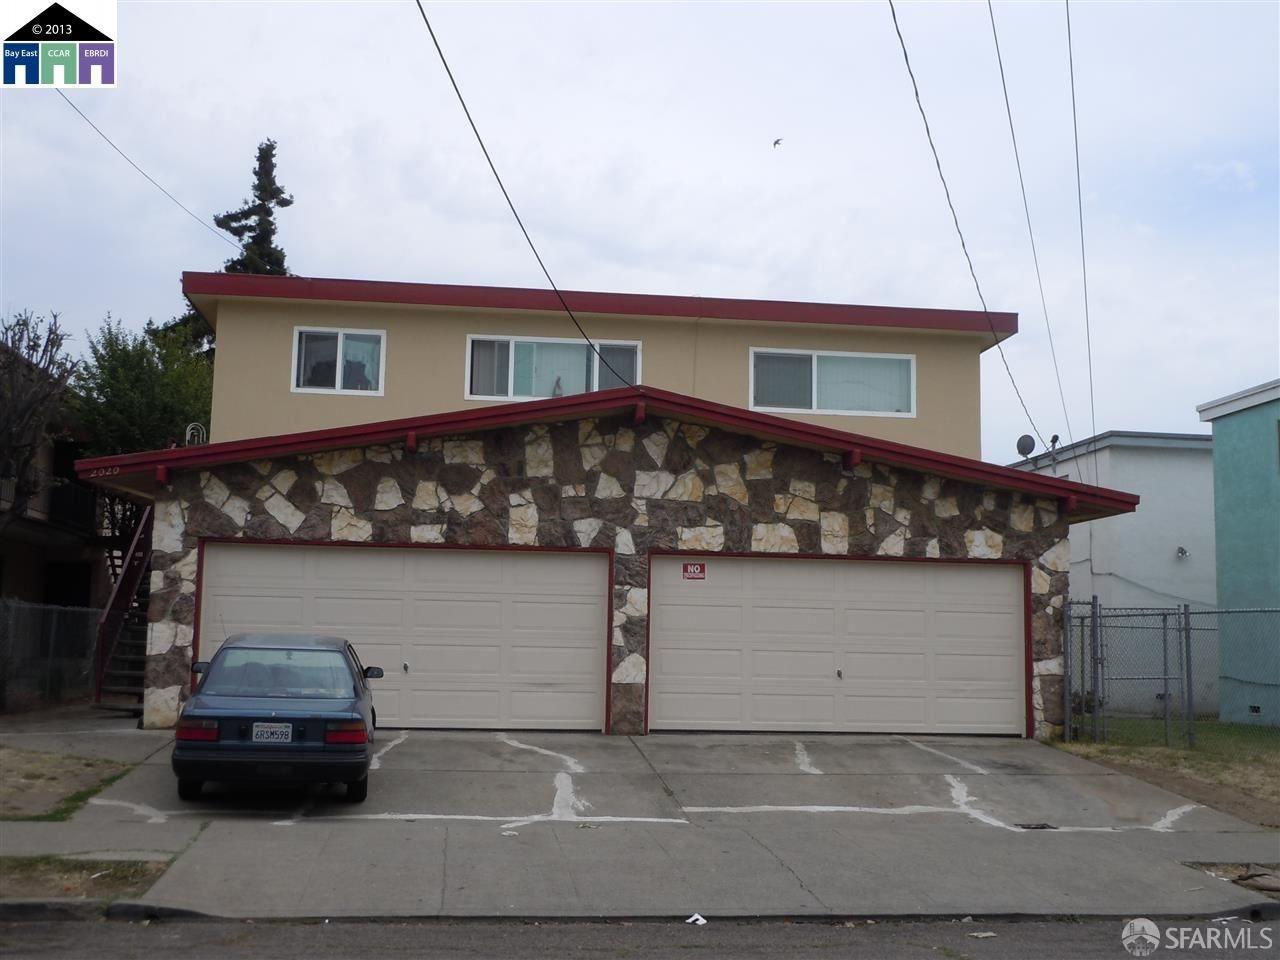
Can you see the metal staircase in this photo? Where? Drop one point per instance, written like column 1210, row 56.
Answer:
column 121, row 649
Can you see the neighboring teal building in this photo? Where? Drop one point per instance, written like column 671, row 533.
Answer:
column 1246, row 485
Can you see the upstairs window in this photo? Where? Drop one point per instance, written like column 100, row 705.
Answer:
column 515, row 368
column 339, row 361
column 852, row 384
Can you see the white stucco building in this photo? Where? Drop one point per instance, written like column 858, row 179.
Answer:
column 1162, row 555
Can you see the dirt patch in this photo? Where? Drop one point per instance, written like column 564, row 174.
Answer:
column 50, row 786
column 1263, row 878
column 38, row 878
column 1228, row 798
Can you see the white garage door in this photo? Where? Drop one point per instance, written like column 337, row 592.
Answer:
column 468, row 638
column 765, row 644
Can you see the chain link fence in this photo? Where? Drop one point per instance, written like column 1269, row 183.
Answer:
column 1174, row 677
column 46, row 654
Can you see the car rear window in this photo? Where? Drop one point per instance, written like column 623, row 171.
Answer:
column 246, row 672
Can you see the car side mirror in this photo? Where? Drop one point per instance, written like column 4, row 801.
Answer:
column 373, row 673
column 200, row 666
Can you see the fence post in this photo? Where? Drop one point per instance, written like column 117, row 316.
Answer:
column 1096, row 671
column 1066, row 676
column 51, row 685
column 1188, row 696
column 1164, row 673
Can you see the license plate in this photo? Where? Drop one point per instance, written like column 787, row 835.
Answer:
column 273, row 733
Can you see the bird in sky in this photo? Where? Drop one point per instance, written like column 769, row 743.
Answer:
column 777, row 142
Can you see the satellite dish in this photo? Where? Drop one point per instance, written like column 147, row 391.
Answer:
column 1026, row 443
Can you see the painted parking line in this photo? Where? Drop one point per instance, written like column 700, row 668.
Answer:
column 971, row 767
column 375, row 762
column 803, row 760
column 571, row 764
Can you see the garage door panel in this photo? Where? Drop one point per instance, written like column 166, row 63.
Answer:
column 700, row 709
column 885, row 665
column 375, row 568
column 582, row 616
column 707, row 617
column 870, row 624
column 886, row 710
column 562, row 661
column 437, row 613
column 492, row 638
column 339, row 611
column 921, row 646
column 975, row 667
column 794, row 664
column 792, row 620
column 792, row 710
column 704, row 663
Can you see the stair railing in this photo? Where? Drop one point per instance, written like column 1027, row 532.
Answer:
column 111, row 622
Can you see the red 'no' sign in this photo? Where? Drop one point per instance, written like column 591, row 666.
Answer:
column 695, row 571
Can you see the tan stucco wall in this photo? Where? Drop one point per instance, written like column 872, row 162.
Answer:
column 426, row 364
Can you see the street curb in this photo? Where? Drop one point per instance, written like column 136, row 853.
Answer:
column 64, row 908
column 138, row 910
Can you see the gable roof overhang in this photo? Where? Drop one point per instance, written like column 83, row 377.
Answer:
column 138, row 474
column 206, row 290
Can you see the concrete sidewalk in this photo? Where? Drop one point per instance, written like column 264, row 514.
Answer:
column 580, row 825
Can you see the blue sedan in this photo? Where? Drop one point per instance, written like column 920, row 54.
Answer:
column 286, row 708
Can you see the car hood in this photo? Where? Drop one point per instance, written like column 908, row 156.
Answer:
column 205, row 705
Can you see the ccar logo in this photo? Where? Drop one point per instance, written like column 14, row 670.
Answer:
column 1140, row 937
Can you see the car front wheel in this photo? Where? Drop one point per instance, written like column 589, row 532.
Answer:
column 357, row 790
column 190, row 789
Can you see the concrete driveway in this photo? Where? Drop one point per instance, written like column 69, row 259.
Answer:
column 538, row 824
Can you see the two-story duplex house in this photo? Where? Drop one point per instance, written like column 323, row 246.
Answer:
column 728, row 515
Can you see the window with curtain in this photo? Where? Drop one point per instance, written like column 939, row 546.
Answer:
column 834, row 383
column 318, row 353
column 529, row 369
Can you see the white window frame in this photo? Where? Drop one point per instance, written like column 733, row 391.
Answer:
column 815, row 409
column 513, row 339
column 341, row 332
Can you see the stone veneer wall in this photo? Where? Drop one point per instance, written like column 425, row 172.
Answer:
column 658, row 485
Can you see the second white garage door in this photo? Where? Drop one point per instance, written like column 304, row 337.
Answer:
column 790, row 644
column 468, row 638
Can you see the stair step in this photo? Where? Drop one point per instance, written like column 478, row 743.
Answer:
column 125, row 673
column 133, row 708
column 129, row 690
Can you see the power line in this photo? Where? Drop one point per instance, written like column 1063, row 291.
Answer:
column 1026, row 209
column 150, row 179
column 529, row 240
column 1084, row 266
column 956, row 220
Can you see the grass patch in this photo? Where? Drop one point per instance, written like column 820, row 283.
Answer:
column 33, row 878
column 1241, row 758
column 51, row 786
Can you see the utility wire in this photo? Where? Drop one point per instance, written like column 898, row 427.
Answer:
column 1026, row 209
column 529, row 240
column 1084, row 266
column 150, row 179
column 956, row 220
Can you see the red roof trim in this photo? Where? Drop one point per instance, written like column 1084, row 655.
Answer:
column 1090, row 501
column 581, row 301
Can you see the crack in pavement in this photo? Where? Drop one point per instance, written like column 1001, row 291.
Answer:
column 785, row 866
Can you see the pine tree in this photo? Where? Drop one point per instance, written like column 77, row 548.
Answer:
column 254, row 224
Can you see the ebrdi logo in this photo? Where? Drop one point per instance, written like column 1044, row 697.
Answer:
column 1140, row 937
column 52, row 45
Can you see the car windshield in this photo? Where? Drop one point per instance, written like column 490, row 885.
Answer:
column 246, row 672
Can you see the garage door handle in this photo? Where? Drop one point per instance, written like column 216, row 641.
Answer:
column 405, row 666
column 839, row 674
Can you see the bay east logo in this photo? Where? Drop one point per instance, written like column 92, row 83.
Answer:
column 59, row 46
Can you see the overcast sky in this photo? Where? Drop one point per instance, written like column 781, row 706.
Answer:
column 636, row 141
